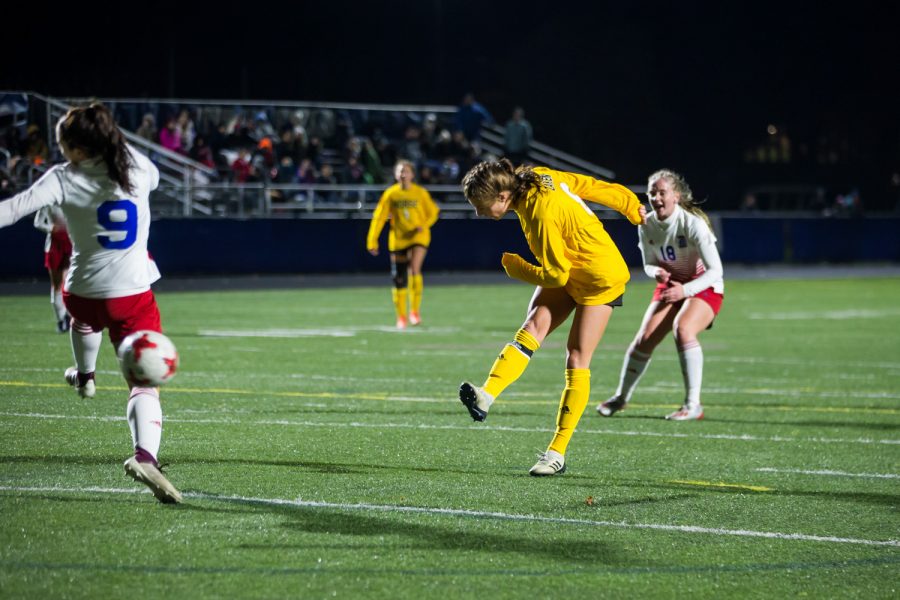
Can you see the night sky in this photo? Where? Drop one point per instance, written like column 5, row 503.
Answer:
column 630, row 86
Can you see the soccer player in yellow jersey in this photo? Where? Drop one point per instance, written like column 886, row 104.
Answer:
column 580, row 269
column 412, row 213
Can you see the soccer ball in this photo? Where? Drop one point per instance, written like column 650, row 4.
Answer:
column 148, row 358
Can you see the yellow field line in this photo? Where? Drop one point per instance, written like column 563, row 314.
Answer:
column 738, row 486
column 386, row 396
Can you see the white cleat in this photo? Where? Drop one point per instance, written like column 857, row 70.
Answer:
column 549, row 463
column 476, row 400
column 688, row 412
column 153, row 478
column 85, row 391
column 611, row 406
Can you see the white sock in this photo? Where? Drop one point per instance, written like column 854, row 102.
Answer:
column 144, row 415
column 85, row 346
column 59, row 309
column 691, row 358
column 633, row 367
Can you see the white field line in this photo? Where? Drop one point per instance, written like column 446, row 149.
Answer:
column 425, row 427
column 835, row 367
column 833, row 315
column 675, row 387
column 830, row 473
column 317, row 332
column 477, row 514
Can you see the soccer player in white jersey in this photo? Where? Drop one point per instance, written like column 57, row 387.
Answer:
column 103, row 190
column 57, row 253
column 679, row 251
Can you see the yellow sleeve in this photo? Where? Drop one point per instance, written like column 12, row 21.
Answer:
column 431, row 209
column 379, row 218
column 612, row 195
column 550, row 251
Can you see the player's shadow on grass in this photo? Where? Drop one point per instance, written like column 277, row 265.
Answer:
column 336, row 468
column 811, row 423
column 544, row 548
column 68, row 459
column 888, row 500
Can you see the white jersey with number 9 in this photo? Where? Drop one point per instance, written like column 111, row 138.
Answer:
column 109, row 227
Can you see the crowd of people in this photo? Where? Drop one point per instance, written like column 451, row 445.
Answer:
column 324, row 145
column 318, row 146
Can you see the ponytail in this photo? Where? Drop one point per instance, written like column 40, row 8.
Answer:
column 484, row 182
column 93, row 129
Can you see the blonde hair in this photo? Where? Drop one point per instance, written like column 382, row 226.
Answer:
column 681, row 187
column 484, row 182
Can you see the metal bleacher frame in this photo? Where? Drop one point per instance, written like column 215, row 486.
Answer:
column 189, row 188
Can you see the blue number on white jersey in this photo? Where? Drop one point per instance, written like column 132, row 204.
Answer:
column 120, row 217
column 668, row 252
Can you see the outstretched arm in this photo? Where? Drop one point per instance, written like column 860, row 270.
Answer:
column 46, row 191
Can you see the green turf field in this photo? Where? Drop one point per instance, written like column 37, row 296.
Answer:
column 323, row 454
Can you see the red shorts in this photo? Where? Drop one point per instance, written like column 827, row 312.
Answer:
column 122, row 316
column 714, row 299
column 57, row 256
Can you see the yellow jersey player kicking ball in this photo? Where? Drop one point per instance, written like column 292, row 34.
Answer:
column 580, row 269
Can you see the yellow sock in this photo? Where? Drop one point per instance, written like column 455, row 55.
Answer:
column 415, row 292
column 400, row 295
column 571, row 406
column 511, row 363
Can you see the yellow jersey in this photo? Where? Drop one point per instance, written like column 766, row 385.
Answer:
column 569, row 241
column 412, row 213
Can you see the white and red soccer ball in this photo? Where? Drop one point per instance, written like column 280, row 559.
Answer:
column 148, row 358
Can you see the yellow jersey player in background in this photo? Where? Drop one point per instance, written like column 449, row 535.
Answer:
column 580, row 269
column 412, row 213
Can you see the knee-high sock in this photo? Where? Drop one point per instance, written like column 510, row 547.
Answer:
column 691, row 358
column 399, row 295
column 144, row 415
column 571, row 406
column 415, row 292
column 511, row 363
column 59, row 309
column 85, row 346
column 634, row 365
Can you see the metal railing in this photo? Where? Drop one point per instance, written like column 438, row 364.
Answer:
column 189, row 188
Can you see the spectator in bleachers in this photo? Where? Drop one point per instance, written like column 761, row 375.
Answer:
column 287, row 170
column 261, row 125
column 354, row 173
column 264, row 156
column 327, row 177
column 443, row 146
column 170, row 137
column 306, row 172
column 242, row 167
column 429, row 133
column 387, row 154
column 185, row 126
column 147, row 130
column 314, row 150
column 202, row 153
column 410, row 148
column 36, row 150
column 518, row 137
column 459, row 145
column 288, row 145
column 471, row 116
column 372, row 162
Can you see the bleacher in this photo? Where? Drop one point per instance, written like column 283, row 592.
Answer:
column 242, row 159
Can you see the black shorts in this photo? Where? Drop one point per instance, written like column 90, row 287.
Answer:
column 616, row 302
